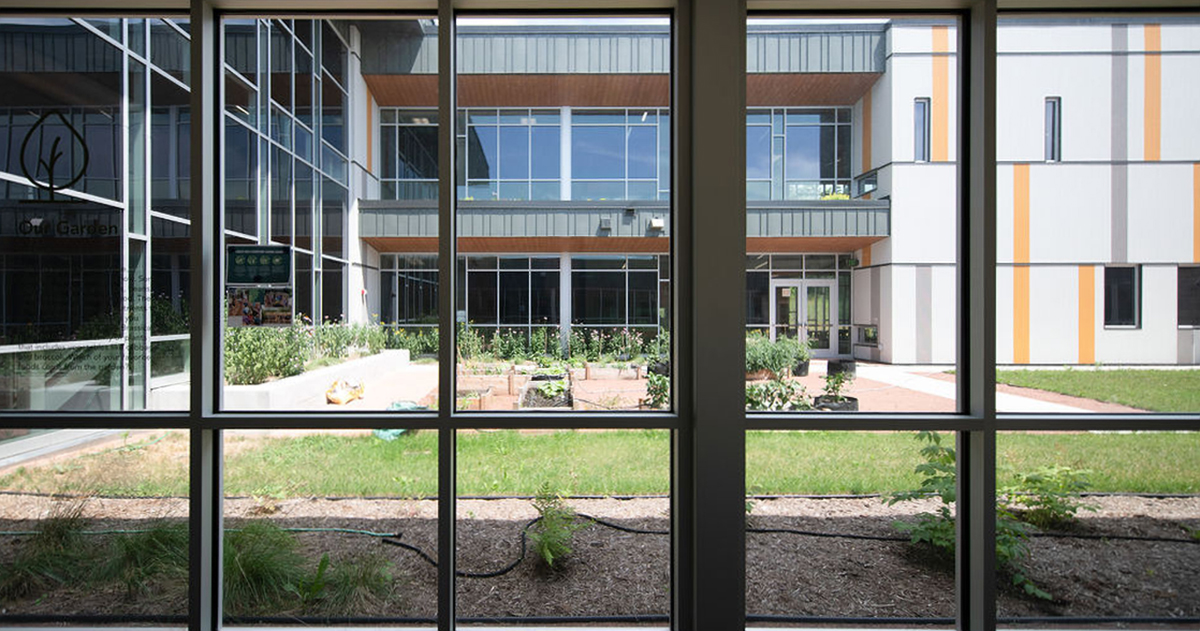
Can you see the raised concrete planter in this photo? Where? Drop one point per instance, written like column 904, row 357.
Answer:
column 283, row 394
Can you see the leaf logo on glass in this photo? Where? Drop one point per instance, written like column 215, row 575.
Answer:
column 40, row 160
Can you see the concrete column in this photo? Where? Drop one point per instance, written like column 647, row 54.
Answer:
column 564, row 299
column 564, row 154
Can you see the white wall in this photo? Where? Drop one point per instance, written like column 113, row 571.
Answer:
column 945, row 315
column 924, row 214
column 1160, row 212
column 1082, row 82
column 1155, row 342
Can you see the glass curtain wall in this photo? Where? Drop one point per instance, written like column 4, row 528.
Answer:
column 479, row 479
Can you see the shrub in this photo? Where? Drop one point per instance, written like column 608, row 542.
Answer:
column 658, row 390
column 627, row 343
column 418, row 341
column 551, row 534
column 777, row 357
column 54, row 556
column 1047, row 497
column 836, row 383
column 777, row 395
column 333, row 340
column 509, row 344
column 255, row 354
column 937, row 529
column 470, row 343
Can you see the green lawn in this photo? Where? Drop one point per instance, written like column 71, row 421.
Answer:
column 601, row 463
column 1155, row 390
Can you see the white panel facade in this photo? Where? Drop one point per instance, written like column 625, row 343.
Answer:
column 1160, row 213
column 924, row 213
column 1180, row 124
column 945, row 314
column 1069, row 213
column 1025, row 35
column 1004, row 314
column 903, row 314
column 1084, row 85
column 1156, row 340
column 1053, row 314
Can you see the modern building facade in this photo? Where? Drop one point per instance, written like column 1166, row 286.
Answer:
column 564, row 201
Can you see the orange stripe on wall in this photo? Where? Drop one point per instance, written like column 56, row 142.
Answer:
column 1087, row 314
column 1153, row 98
column 1020, row 213
column 939, row 103
column 866, row 256
column 866, row 132
column 1196, row 213
column 1021, row 315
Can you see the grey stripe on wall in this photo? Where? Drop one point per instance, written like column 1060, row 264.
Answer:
column 1120, row 145
column 1188, row 346
column 924, row 320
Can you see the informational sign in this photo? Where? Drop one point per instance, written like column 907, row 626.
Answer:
column 258, row 265
column 249, row 306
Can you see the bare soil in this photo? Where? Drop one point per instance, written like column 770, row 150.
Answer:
column 616, row 573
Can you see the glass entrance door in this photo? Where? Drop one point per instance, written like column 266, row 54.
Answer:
column 806, row 309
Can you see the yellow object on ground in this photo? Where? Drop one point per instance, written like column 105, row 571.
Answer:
column 344, row 391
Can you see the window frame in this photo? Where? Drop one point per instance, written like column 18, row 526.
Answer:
column 922, row 129
column 1115, row 322
column 708, row 426
column 1053, row 129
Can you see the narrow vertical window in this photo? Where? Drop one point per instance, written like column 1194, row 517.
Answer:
column 1122, row 302
column 1189, row 296
column 921, row 130
column 1053, row 129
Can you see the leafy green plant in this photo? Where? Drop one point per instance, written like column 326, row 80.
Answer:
column 470, row 343
column 658, row 390
column 836, row 383
column 510, row 344
column 937, row 529
column 552, row 389
column 776, row 357
column 777, row 395
column 552, row 533
column 1047, row 497
column 253, row 354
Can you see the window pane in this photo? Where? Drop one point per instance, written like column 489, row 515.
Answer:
column 358, row 524
column 96, row 526
column 876, row 332
column 616, row 558
column 819, row 522
column 1109, row 517
column 311, row 317
column 1112, row 294
column 598, row 152
column 514, row 153
column 546, row 149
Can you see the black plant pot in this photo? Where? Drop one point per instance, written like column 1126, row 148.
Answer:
column 660, row 368
column 830, row 404
column 841, row 365
column 801, row 369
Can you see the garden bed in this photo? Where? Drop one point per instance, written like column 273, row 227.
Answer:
column 619, row 573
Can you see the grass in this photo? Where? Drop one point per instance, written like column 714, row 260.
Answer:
column 606, row 463
column 1153, row 390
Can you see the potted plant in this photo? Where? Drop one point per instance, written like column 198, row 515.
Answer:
column 758, row 356
column 833, row 400
column 802, row 357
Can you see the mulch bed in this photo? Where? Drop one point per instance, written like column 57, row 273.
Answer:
column 616, row 573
